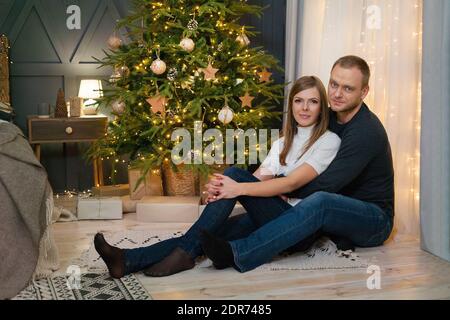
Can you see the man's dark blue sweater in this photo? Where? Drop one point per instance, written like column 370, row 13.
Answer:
column 363, row 167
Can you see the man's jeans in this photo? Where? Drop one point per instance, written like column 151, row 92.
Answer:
column 215, row 219
column 365, row 224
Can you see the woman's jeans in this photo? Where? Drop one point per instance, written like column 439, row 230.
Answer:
column 215, row 219
column 271, row 226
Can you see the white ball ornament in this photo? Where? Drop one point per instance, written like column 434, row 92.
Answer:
column 158, row 67
column 243, row 40
column 226, row 115
column 118, row 107
column 114, row 42
column 187, row 44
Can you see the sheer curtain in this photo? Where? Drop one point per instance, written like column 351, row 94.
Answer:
column 388, row 34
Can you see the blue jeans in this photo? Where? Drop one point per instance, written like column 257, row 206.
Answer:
column 365, row 224
column 215, row 219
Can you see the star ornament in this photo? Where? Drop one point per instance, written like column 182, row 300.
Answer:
column 158, row 104
column 247, row 100
column 210, row 72
column 264, row 76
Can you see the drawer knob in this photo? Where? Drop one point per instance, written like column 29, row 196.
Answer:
column 69, row 130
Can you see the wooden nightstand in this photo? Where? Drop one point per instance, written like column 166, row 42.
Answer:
column 65, row 130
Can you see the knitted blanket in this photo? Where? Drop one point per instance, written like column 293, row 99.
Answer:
column 26, row 246
column 323, row 254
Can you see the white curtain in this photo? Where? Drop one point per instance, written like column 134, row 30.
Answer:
column 388, row 34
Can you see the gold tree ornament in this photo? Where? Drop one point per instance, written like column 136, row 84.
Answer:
column 187, row 85
column 264, row 76
column 243, row 40
column 124, row 71
column 247, row 100
column 158, row 104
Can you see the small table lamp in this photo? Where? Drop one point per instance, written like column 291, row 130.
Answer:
column 90, row 90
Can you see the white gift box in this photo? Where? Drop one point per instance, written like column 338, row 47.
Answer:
column 100, row 208
column 168, row 209
column 173, row 209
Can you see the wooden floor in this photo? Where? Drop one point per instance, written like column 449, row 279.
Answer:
column 406, row 271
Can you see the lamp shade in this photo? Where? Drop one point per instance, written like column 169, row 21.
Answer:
column 90, row 89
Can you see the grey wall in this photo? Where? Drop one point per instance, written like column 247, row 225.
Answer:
column 272, row 30
column 47, row 56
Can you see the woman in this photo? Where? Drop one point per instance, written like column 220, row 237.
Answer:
column 305, row 151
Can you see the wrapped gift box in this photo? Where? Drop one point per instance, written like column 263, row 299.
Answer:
column 151, row 186
column 100, row 208
column 128, row 205
column 174, row 209
column 168, row 209
column 111, row 191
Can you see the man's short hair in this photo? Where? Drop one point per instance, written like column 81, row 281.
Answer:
column 348, row 62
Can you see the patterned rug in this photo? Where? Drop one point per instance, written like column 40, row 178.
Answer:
column 322, row 255
column 86, row 287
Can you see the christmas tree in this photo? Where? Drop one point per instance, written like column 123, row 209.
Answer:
column 189, row 62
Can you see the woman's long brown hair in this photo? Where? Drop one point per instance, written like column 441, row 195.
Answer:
column 291, row 126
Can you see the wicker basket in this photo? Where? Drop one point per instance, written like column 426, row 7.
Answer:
column 181, row 183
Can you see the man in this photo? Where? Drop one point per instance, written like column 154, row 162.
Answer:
column 353, row 198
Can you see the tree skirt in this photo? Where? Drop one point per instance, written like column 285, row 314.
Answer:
column 89, row 287
column 322, row 255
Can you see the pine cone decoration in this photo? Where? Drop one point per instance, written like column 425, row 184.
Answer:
column 61, row 107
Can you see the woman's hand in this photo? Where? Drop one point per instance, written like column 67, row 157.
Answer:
column 223, row 187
